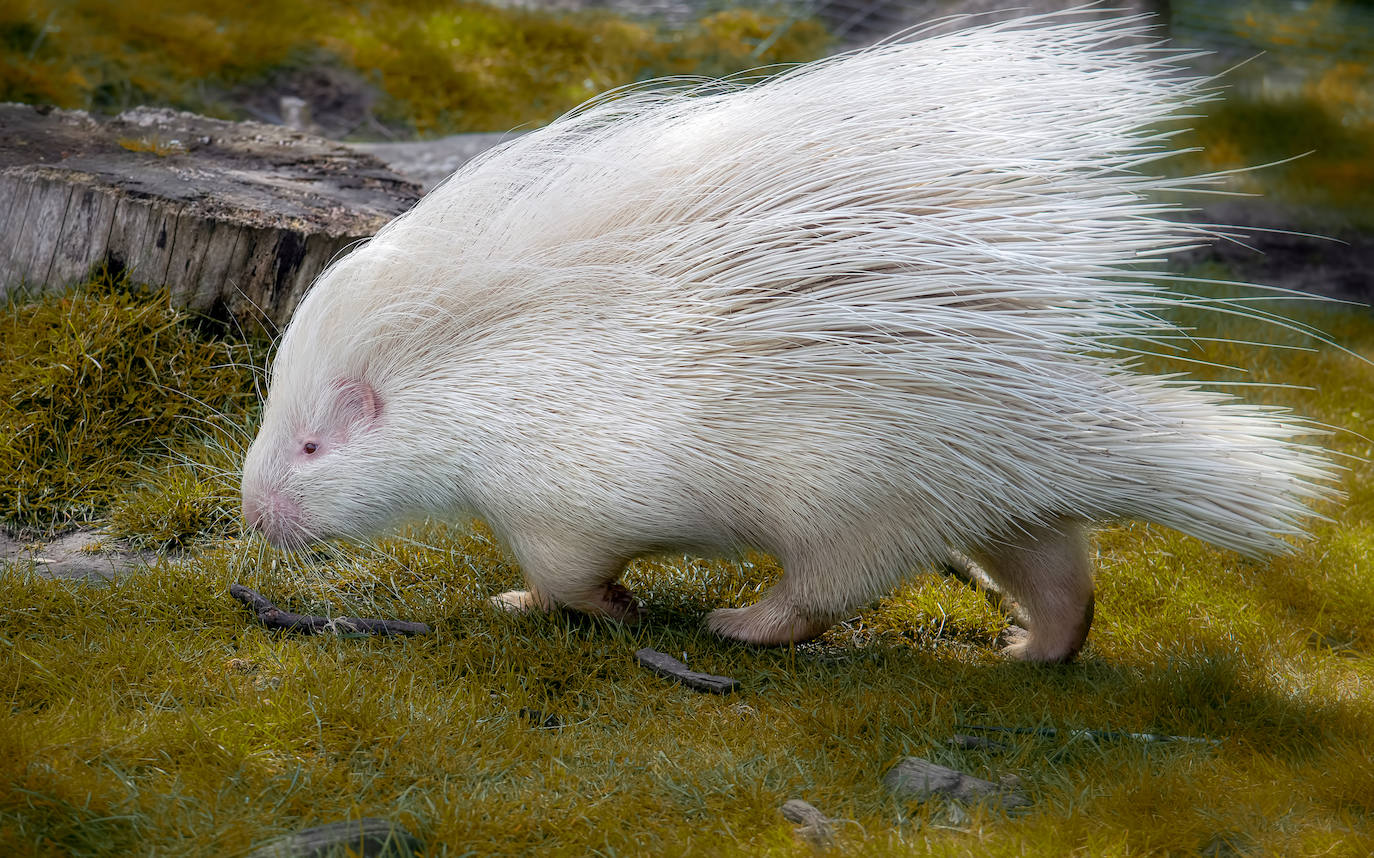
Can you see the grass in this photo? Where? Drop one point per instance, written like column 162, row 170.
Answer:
column 93, row 380
column 150, row 716
column 441, row 66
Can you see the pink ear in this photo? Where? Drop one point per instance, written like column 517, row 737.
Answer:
column 358, row 400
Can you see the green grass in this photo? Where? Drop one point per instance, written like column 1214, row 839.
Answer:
column 93, row 382
column 151, row 716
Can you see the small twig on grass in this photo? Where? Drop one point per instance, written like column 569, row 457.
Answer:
column 275, row 618
column 1093, row 735
column 665, row 665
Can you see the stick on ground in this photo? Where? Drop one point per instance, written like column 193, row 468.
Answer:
column 1091, row 735
column 275, row 618
column 665, row 665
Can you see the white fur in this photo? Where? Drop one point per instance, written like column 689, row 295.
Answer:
column 859, row 315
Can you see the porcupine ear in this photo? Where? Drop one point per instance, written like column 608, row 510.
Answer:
column 358, row 401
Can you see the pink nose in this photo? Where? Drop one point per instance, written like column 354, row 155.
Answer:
column 274, row 516
column 252, row 512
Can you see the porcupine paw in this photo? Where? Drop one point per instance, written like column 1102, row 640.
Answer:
column 1060, row 647
column 1014, row 641
column 764, row 624
column 519, row 602
column 1023, row 646
column 612, row 600
column 616, row 602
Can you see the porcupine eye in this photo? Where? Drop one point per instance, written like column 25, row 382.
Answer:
column 310, row 447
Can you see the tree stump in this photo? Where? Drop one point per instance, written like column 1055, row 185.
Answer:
column 234, row 218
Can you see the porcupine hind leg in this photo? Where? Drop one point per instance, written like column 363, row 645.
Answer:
column 562, row 575
column 1048, row 571
column 798, row 608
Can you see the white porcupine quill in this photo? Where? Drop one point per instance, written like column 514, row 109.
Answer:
column 869, row 308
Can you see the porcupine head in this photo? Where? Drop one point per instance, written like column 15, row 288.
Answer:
column 348, row 445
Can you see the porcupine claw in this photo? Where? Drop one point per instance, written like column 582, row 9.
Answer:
column 614, row 601
column 518, row 602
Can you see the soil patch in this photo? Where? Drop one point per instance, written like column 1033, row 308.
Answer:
column 81, row 554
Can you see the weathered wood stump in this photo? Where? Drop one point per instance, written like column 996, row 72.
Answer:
column 234, row 218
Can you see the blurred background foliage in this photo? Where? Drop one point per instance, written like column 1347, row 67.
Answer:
column 1299, row 79
column 438, row 67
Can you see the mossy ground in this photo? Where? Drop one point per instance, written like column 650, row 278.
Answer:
column 93, row 379
column 151, row 716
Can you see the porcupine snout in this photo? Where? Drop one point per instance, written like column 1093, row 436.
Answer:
column 276, row 517
column 252, row 513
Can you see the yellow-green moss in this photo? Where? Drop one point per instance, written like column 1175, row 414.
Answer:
column 152, row 716
column 92, row 384
column 174, row 501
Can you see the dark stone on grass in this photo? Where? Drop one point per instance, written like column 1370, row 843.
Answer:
column 665, row 665
column 812, row 826
column 915, row 778
column 275, row 618
column 371, row 837
column 802, row 812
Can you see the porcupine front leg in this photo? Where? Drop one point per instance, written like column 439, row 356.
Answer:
column 567, row 574
column 1048, row 571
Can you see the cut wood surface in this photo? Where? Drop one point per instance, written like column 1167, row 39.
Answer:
column 235, row 218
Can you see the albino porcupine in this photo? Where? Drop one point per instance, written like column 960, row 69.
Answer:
column 861, row 315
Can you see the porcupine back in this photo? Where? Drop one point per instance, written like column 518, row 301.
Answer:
column 880, row 293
